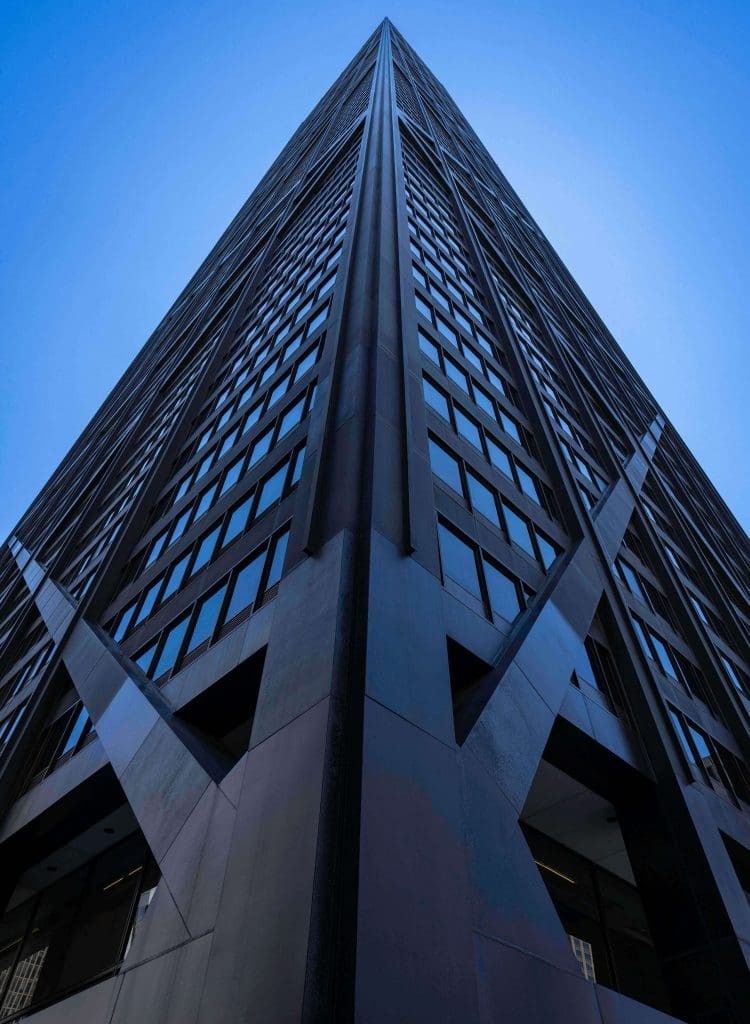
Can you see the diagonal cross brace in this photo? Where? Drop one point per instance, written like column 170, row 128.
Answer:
column 508, row 722
column 168, row 774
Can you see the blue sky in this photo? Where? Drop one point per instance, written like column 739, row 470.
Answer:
column 132, row 132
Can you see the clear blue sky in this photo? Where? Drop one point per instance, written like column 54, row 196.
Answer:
column 132, row 132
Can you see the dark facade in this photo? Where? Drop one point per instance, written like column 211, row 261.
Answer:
column 379, row 652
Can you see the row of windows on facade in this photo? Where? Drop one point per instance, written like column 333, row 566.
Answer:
column 720, row 577
column 447, row 294
column 474, row 392
column 728, row 539
column 224, row 405
column 593, row 483
column 156, row 427
column 316, row 232
column 480, row 438
column 709, row 617
column 15, row 605
column 76, row 930
column 68, row 730
column 547, row 379
column 431, row 203
column 30, row 671
column 485, row 501
column 247, row 587
column 657, row 602
column 226, row 466
column 455, row 338
column 125, row 494
column 510, row 465
column 478, row 580
column 224, row 435
column 709, row 761
column 674, row 664
column 297, row 266
column 234, row 523
column 596, row 666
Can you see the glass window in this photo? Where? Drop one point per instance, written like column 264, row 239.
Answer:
column 175, row 577
column 459, row 561
column 261, row 447
column 148, row 602
column 171, row 647
column 299, row 458
column 462, row 320
column 640, row 632
column 518, row 530
column 232, row 475
column 205, row 622
column 75, row 734
column 632, row 581
column 439, row 297
column 447, row 331
column 205, row 465
column 663, row 657
column 8, row 727
column 429, row 348
column 205, row 551
column 547, row 550
column 484, row 401
column 482, row 498
column 445, row 466
column 303, row 311
column 700, row 611
column 271, row 489
column 237, row 521
column 423, row 308
column 306, row 363
column 499, row 458
column 145, row 657
column 472, row 357
column 293, row 345
column 435, row 399
column 122, row 625
column 180, row 525
column 502, row 591
column 419, row 276
column 456, row 374
column 732, row 673
column 278, row 390
column 528, row 484
column 317, row 320
column 183, row 488
column 277, row 560
column 228, row 442
column 269, row 371
column 205, row 502
column 156, row 548
column 245, row 587
column 291, row 418
column 510, row 427
column 468, row 428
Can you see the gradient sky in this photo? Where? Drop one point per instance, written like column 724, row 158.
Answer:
column 130, row 134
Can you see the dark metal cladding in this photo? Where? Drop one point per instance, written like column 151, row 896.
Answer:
column 379, row 652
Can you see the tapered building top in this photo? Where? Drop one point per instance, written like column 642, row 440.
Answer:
column 379, row 652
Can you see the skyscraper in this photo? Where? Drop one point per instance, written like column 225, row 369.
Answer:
column 379, row 652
